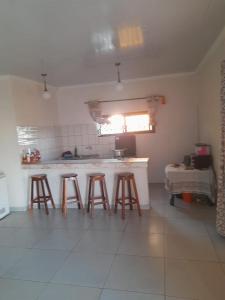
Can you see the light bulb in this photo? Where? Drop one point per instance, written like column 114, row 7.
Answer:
column 119, row 86
column 46, row 95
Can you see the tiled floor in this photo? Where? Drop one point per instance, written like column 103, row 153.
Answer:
column 170, row 253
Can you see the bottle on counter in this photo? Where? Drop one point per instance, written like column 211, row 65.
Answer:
column 75, row 152
column 28, row 155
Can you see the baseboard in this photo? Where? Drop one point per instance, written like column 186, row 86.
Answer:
column 14, row 209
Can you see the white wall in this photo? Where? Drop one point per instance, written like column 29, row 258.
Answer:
column 21, row 104
column 31, row 110
column 209, row 82
column 176, row 131
column 9, row 154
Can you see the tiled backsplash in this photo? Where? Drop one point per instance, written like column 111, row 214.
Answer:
column 53, row 140
column 85, row 138
column 45, row 139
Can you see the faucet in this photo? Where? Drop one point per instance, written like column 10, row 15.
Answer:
column 88, row 147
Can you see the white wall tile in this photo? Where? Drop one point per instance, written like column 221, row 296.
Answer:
column 53, row 140
column 77, row 129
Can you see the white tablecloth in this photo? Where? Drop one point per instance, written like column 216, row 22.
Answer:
column 179, row 180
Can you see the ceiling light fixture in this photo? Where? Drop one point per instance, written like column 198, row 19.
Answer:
column 131, row 36
column 46, row 95
column 119, row 85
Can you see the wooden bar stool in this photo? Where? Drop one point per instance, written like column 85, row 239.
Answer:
column 127, row 179
column 42, row 196
column 93, row 178
column 72, row 199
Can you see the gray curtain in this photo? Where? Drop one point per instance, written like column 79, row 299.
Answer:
column 220, row 221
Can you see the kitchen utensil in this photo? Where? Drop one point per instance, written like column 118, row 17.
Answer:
column 118, row 153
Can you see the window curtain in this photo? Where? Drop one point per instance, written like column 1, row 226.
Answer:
column 220, row 222
column 95, row 111
column 153, row 105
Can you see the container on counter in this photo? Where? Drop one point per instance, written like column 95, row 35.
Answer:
column 202, row 149
column 187, row 197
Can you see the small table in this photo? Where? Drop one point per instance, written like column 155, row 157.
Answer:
column 180, row 180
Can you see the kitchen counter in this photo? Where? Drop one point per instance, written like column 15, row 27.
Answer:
column 110, row 166
column 61, row 163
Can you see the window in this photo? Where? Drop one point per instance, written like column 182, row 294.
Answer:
column 126, row 123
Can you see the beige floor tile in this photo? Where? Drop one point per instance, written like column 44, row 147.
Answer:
column 195, row 280
column 85, row 269
column 190, row 247
column 210, row 226
column 18, row 289
column 223, row 266
column 37, row 265
column 60, row 239
column 147, row 224
column 219, row 244
column 185, row 227
column 9, row 256
column 102, row 221
column 142, row 244
column 69, row 292
column 135, row 273
column 99, row 241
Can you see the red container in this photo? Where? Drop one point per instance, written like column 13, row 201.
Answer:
column 187, row 197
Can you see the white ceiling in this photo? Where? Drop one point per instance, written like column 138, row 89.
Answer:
column 76, row 41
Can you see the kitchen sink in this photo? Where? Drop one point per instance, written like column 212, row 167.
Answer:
column 82, row 157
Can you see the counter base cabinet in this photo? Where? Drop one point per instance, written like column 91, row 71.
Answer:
column 55, row 171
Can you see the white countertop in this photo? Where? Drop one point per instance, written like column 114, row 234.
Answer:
column 181, row 174
column 51, row 164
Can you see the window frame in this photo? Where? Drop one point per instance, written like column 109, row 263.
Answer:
column 151, row 130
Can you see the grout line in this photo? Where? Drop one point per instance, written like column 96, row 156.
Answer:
column 213, row 245
column 164, row 266
column 135, row 292
column 110, row 269
column 220, row 262
column 100, row 294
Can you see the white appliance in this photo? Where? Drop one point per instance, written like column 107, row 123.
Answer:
column 4, row 200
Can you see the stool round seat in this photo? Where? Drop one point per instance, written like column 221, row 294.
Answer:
column 70, row 175
column 126, row 174
column 38, row 176
column 96, row 175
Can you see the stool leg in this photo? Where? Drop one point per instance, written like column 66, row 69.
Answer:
column 78, row 195
column 172, row 200
column 102, row 193
column 106, row 198
column 32, row 194
column 49, row 192
column 44, row 197
column 123, row 199
column 64, row 204
column 89, row 195
column 129, row 193
column 117, row 194
column 136, row 196
column 92, row 197
column 38, row 194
